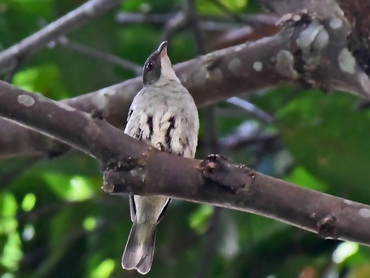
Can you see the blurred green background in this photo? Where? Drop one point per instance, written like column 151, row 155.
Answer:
column 55, row 221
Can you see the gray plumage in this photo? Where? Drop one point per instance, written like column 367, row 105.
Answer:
column 163, row 114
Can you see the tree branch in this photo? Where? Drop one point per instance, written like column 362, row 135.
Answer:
column 104, row 56
column 207, row 22
column 12, row 56
column 131, row 166
column 252, row 110
column 212, row 75
column 227, row 185
column 311, row 49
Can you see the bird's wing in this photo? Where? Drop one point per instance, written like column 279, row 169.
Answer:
column 135, row 133
column 132, row 207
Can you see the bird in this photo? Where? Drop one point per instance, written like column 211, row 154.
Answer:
column 163, row 114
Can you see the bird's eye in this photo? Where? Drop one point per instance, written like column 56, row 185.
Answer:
column 150, row 66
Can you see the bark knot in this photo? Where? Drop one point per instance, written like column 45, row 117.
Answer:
column 326, row 227
column 226, row 174
column 97, row 114
column 124, row 175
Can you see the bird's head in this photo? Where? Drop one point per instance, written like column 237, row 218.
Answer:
column 158, row 68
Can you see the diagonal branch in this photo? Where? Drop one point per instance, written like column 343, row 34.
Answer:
column 217, row 78
column 311, row 49
column 104, row 56
column 131, row 166
column 252, row 110
column 12, row 56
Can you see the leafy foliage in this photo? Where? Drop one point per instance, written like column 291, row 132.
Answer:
column 56, row 222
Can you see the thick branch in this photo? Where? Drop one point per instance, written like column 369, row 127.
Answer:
column 131, row 166
column 219, row 75
column 71, row 21
column 356, row 11
column 311, row 49
column 87, row 132
column 224, row 184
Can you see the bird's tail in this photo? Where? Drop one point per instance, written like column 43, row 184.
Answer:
column 139, row 249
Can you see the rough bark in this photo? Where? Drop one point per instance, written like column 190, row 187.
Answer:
column 131, row 166
column 311, row 49
column 219, row 75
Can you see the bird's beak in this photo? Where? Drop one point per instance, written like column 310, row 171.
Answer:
column 162, row 49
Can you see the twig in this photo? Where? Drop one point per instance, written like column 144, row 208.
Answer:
column 192, row 21
column 212, row 26
column 251, row 109
column 132, row 18
column 226, row 10
column 176, row 23
column 207, row 23
column 185, row 18
column 239, row 139
column 9, row 58
column 10, row 74
column 256, row 21
column 161, row 18
column 107, row 57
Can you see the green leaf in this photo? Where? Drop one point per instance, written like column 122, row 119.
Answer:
column 330, row 139
column 44, row 79
column 301, row 176
column 345, row 250
column 70, row 188
column 8, row 210
column 199, row 219
column 89, row 223
column 12, row 252
column 104, row 269
column 28, row 202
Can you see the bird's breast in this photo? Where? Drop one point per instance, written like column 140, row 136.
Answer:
column 168, row 121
